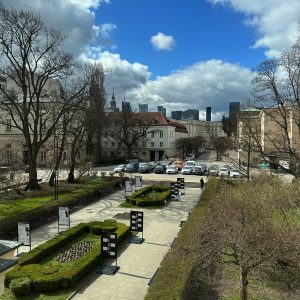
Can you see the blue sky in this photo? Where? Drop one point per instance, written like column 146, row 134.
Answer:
column 179, row 54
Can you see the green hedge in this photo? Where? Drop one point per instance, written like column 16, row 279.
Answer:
column 8, row 226
column 52, row 275
column 172, row 278
column 140, row 198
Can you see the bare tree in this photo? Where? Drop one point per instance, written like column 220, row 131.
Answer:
column 189, row 144
column 242, row 229
column 127, row 129
column 277, row 89
column 221, row 144
column 32, row 61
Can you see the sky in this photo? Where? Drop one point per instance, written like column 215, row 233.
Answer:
column 175, row 53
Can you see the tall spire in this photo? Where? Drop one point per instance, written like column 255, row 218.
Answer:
column 113, row 95
column 124, row 96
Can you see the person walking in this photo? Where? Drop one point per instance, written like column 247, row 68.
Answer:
column 202, row 183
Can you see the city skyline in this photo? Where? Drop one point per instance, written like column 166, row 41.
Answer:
column 195, row 54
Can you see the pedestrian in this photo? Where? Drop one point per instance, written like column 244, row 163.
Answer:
column 202, row 183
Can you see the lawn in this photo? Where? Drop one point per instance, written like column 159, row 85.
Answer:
column 33, row 199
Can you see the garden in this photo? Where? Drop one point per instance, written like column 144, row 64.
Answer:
column 149, row 196
column 62, row 262
column 37, row 206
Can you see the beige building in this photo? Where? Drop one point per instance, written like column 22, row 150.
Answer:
column 13, row 151
column 269, row 131
column 206, row 129
column 159, row 143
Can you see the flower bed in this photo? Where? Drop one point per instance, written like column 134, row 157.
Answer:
column 41, row 271
column 150, row 196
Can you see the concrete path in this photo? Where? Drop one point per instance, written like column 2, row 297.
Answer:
column 138, row 262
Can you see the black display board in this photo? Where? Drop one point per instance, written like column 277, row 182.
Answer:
column 181, row 185
column 109, row 244
column 137, row 224
column 109, row 250
column 174, row 190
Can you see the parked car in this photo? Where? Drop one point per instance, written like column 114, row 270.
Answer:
column 224, row 172
column 187, row 170
column 172, row 169
column 179, row 164
column 153, row 165
column 234, row 173
column 132, row 167
column 144, row 168
column 190, row 157
column 189, row 163
column 160, row 169
column 200, row 169
column 119, row 168
column 213, row 170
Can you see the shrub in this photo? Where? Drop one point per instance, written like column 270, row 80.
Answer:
column 48, row 277
column 140, row 197
column 20, row 286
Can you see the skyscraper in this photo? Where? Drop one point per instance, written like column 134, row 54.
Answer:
column 208, row 113
column 191, row 114
column 126, row 107
column 177, row 114
column 162, row 110
column 234, row 109
column 143, row 107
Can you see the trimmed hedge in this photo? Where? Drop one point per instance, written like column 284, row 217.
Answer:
column 140, row 197
column 32, row 275
column 172, row 278
column 80, row 196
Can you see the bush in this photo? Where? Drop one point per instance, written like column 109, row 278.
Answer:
column 20, row 286
column 140, row 197
column 48, row 277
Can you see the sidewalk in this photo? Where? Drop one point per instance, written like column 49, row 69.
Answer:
column 138, row 262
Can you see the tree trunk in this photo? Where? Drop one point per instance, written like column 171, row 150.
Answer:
column 248, row 163
column 33, row 180
column 244, row 283
column 71, row 176
column 51, row 180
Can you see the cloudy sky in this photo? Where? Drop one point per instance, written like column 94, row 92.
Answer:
column 179, row 54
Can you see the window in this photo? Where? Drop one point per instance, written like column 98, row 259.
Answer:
column 144, row 153
column 106, row 144
column 112, row 144
column 152, row 134
column 152, row 144
column 161, row 134
column 65, row 156
column 144, row 144
column 43, row 156
column 161, row 144
column 8, row 125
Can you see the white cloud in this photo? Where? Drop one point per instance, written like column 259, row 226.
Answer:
column 121, row 75
column 160, row 41
column 73, row 17
column 211, row 83
column 276, row 21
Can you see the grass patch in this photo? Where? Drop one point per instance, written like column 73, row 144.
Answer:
column 129, row 205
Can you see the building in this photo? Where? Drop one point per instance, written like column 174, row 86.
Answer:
column 143, row 107
column 113, row 103
column 234, row 109
column 208, row 114
column 126, row 107
column 191, row 114
column 13, row 151
column 177, row 115
column 162, row 110
column 159, row 142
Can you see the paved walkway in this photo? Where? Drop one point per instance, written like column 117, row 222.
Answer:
column 138, row 262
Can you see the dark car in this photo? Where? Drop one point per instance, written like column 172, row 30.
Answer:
column 160, row 169
column 200, row 169
column 132, row 167
column 144, row 168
